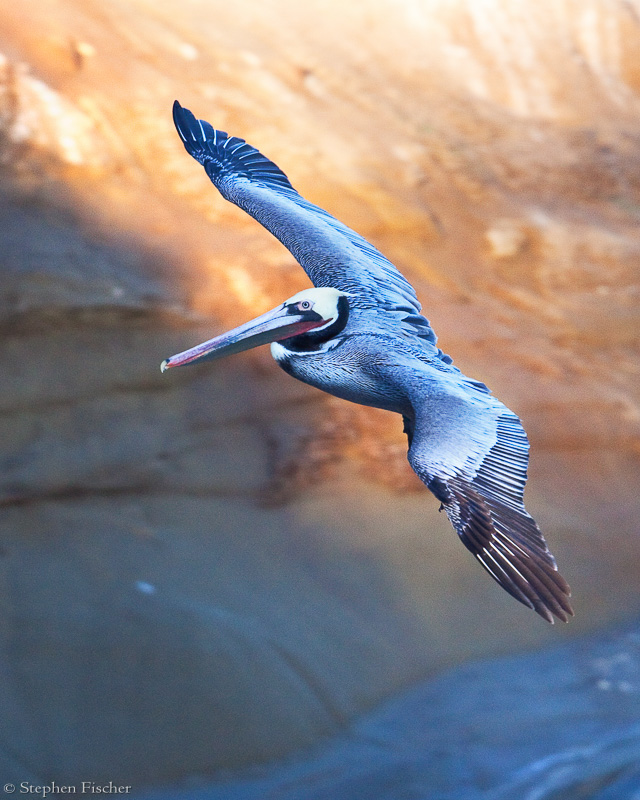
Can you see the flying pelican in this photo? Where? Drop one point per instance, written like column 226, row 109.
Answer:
column 359, row 335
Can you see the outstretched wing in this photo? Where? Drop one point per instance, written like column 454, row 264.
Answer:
column 330, row 252
column 472, row 453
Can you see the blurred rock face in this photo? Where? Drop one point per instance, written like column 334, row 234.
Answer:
column 462, row 735
column 225, row 546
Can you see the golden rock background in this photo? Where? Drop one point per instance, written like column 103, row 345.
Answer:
column 187, row 558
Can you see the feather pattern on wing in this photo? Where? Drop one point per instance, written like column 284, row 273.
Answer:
column 473, row 453
column 330, row 252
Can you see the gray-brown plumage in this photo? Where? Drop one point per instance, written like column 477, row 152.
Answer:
column 359, row 335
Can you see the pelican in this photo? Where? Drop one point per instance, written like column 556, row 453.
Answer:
column 359, row 335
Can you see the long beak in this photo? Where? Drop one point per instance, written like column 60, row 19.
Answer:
column 273, row 326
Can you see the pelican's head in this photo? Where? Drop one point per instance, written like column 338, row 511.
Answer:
column 317, row 314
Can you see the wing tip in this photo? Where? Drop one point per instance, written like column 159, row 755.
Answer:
column 562, row 612
column 199, row 137
column 180, row 119
column 221, row 154
column 530, row 586
column 507, row 542
column 186, row 126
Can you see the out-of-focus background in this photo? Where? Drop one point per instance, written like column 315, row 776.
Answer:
column 221, row 578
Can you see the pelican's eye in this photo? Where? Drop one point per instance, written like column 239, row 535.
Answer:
column 304, row 305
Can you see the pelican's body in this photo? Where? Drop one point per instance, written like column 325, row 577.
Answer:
column 355, row 369
column 359, row 335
